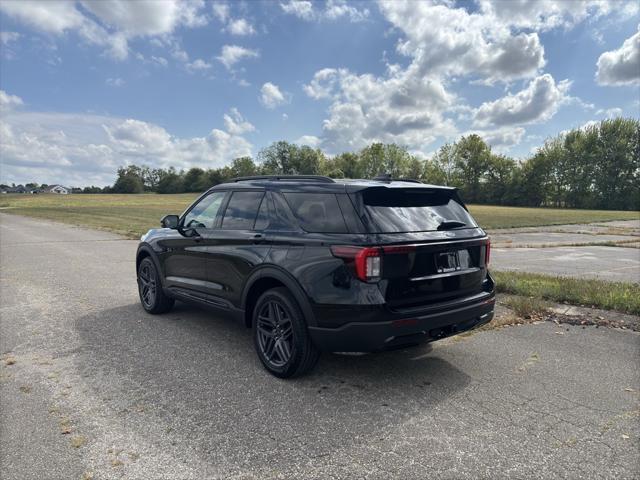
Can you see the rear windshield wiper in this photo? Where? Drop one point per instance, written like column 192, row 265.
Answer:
column 450, row 224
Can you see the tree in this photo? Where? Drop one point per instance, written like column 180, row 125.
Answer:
column 243, row 167
column 471, row 160
column 129, row 180
column 194, row 180
column 171, row 182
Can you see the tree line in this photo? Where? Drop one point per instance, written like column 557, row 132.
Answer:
column 597, row 166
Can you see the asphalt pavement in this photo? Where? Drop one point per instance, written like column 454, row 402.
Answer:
column 93, row 387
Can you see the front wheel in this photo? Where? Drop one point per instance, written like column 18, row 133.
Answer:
column 280, row 335
column 152, row 297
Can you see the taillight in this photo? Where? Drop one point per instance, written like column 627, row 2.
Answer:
column 368, row 260
column 487, row 253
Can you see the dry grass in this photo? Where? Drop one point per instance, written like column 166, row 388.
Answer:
column 526, row 307
column 622, row 297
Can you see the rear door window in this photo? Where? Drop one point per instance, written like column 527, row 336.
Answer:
column 317, row 212
column 390, row 210
column 242, row 210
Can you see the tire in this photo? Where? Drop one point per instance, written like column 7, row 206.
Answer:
column 280, row 335
column 152, row 296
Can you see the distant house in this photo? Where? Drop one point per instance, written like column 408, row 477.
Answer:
column 16, row 189
column 59, row 189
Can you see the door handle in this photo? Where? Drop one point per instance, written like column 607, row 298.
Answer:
column 258, row 238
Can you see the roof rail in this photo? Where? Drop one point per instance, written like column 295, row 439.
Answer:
column 307, row 178
column 386, row 177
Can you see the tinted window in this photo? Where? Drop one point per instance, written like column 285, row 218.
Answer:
column 410, row 210
column 242, row 210
column 262, row 220
column 203, row 215
column 317, row 212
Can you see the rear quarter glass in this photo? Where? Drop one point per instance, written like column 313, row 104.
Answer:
column 317, row 212
column 409, row 210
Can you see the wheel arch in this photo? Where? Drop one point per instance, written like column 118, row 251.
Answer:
column 270, row 277
column 145, row 251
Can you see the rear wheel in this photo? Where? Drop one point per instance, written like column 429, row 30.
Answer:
column 280, row 335
column 152, row 297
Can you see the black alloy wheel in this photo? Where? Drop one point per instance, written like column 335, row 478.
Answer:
column 275, row 333
column 280, row 335
column 152, row 297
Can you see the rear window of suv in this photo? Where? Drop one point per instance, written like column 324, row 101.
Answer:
column 317, row 212
column 390, row 210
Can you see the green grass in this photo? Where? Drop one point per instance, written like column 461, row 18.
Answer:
column 622, row 297
column 492, row 217
column 132, row 215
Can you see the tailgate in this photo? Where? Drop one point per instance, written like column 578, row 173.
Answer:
column 422, row 274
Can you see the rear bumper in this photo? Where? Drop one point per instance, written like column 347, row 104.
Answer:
column 402, row 331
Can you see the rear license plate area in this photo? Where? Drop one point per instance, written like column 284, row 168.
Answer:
column 447, row 262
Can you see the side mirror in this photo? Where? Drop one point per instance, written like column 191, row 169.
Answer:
column 170, row 221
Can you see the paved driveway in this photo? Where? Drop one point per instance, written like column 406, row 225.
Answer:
column 91, row 384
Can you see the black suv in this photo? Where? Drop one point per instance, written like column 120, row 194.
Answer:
column 313, row 264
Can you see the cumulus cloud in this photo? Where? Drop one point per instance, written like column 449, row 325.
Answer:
column 221, row 10
column 310, row 140
column 107, row 23
column 544, row 14
column 232, row 54
column 463, row 43
column 8, row 102
column 240, row 27
column 401, row 107
column 235, row 124
column 78, row 149
column 198, row 65
column 271, row 96
column 621, row 66
column 333, row 10
column 537, row 102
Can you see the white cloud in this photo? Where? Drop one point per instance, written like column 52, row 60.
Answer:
column 610, row 112
column 8, row 102
column 198, row 65
column 235, row 124
column 271, row 96
column 8, row 37
column 221, row 11
column 240, row 27
column 544, row 14
column 334, row 9
column 621, row 66
column 538, row 102
column 232, row 54
column 80, row 149
column 159, row 61
column 502, row 137
column 300, row 8
column 463, row 43
column 111, row 23
column 310, row 140
column 114, row 82
column 402, row 107
column 324, row 83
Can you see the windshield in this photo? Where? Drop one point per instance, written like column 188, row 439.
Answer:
column 388, row 210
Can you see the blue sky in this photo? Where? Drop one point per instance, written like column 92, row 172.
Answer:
column 88, row 86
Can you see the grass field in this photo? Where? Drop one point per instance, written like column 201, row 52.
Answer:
column 622, row 297
column 132, row 215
